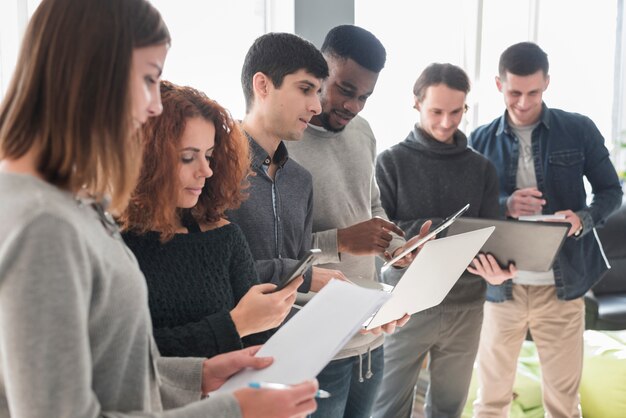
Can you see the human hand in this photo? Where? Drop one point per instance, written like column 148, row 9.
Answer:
column 218, row 369
column 570, row 217
column 487, row 266
column 298, row 401
column 369, row 237
column 389, row 327
column 408, row 259
column 322, row 276
column 261, row 309
column 524, row 202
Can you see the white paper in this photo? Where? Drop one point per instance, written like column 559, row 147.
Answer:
column 431, row 275
column 307, row 342
column 559, row 216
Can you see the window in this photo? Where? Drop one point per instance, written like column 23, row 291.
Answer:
column 581, row 50
column 14, row 15
column 208, row 47
column 579, row 37
column 210, row 41
column 209, row 44
column 414, row 34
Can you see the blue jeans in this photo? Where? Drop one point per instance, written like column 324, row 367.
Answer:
column 350, row 398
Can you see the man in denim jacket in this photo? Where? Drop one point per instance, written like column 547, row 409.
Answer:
column 541, row 156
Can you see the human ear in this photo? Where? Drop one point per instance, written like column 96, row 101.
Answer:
column 261, row 84
column 417, row 103
column 547, row 78
column 499, row 83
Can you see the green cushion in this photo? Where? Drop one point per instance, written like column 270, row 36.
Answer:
column 603, row 385
column 527, row 385
column 526, row 389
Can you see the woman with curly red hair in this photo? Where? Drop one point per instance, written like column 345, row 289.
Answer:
column 203, row 289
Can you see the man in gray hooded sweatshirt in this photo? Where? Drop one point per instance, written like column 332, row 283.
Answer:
column 430, row 175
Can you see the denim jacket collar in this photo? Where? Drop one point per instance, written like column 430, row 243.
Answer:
column 504, row 126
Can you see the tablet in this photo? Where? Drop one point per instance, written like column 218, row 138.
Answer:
column 532, row 246
column 303, row 265
column 433, row 231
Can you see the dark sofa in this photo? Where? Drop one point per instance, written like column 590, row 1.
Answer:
column 606, row 302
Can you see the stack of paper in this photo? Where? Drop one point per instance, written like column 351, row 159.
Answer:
column 303, row 346
column 552, row 217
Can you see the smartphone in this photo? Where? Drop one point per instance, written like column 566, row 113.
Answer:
column 433, row 231
column 303, row 265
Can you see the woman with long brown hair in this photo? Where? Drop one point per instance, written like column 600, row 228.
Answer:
column 75, row 331
column 203, row 289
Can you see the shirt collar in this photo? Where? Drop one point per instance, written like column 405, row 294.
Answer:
column 260, row 157
column 317, row 128
column 544, row 119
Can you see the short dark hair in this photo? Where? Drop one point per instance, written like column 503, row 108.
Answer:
column 277, row 55
column 349, row 41
column 436, row 73
column 524, row 58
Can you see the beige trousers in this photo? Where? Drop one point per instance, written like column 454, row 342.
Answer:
column 556, row 327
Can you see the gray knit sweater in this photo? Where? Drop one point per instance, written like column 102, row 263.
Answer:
column 75, row 331
column 422, row 178
column 344, row 193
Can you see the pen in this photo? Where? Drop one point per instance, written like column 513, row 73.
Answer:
column 266, row 385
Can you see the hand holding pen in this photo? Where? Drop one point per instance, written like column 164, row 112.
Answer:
column 296, row 401
column 321, row 394
column 527, row 201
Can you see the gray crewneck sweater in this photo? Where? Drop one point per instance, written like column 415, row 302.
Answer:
column 75, row 331
column 344, row 193
column 422, row 178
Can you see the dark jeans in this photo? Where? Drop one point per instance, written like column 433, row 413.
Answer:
column 349, row 397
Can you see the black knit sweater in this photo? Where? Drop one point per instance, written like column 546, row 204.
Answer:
column 194, row 280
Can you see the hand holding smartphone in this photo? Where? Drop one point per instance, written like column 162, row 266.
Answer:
column 434, row 231
column 303, row 265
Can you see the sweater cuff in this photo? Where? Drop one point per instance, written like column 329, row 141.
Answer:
column 180, row 380
column 502, row 201
column 287, row 265
column 396, row 242
column 327, row 242
column 305, row 287
column 226, row 335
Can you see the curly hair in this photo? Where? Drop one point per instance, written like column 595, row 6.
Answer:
column 152, row 205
